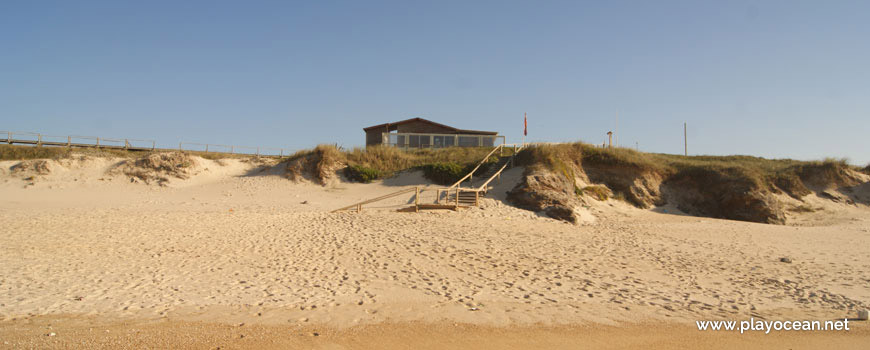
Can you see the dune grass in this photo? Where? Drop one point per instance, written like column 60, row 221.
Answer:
column 759, row 172
column 366, row 164
column 18, row 152
column 15, row 152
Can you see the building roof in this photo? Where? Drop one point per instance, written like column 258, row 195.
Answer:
column 394, row 125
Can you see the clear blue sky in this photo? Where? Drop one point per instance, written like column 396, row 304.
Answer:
column 766, row 78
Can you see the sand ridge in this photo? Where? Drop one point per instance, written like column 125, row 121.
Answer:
column 238, row 244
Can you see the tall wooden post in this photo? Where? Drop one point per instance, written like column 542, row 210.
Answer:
column 610, row 139
column 685, row 141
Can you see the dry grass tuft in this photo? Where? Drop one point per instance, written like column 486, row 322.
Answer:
column 598, row 192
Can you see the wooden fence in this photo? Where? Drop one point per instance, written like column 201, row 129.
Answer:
column 39, row 140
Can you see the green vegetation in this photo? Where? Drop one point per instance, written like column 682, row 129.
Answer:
column 367, row 164
column 360, row 173
column 444, row 173
column 598, row 192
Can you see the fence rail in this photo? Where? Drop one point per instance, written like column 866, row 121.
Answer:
column 359, row 205
column 39, row 140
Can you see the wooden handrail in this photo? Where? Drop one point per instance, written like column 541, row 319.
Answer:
column 483, row 186
column 360, row 204
column 478, row 166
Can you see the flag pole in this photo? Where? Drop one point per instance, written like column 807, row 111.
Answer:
column 525, row 128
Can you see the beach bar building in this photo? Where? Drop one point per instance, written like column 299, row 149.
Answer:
column 422, row 133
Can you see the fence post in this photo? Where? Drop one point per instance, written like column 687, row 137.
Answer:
column 126, row 144
column 98, row 142
column 153, row 145
column 38, row 140
column 206, row 148
column 9, row 137
column 179, row 146
column 457, row 196
column 258, row 151
column 69, row 141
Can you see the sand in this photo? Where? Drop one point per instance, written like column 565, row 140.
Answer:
column 236, row 243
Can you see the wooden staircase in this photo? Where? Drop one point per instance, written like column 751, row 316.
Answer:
column 455, row 196
column 495, row 169
column 468, row 198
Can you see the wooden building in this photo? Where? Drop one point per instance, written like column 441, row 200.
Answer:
column 422, row 133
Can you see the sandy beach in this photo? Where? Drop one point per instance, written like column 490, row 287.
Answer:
column 102, row 261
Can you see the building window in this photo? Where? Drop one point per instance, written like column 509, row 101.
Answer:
column 469, row 141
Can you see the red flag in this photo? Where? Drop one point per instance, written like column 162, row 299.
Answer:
column 525, row 125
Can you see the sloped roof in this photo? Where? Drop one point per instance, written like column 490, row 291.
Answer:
column 394, row 125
